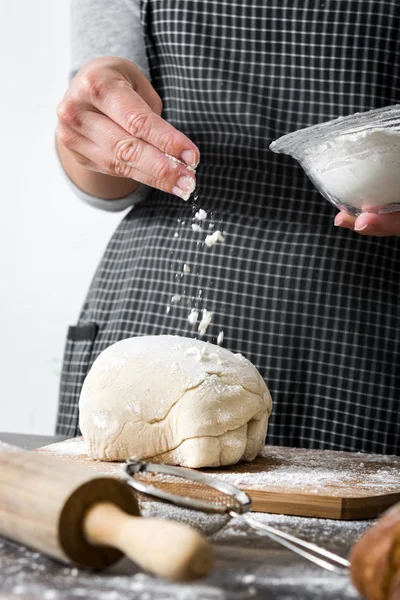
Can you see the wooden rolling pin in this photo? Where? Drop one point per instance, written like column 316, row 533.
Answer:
column 62, row 510
column 375, row 559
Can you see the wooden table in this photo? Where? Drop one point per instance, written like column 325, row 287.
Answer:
column 248, row 565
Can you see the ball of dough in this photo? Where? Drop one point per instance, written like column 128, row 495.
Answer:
column 173, row 400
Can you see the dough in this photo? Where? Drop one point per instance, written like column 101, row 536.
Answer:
column 173, row 400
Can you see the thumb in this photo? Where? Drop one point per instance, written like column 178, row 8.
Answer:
column 378, row 225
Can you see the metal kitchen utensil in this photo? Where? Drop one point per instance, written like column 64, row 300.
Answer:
column 198, row 491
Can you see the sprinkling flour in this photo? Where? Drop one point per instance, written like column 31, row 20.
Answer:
column 205, row 321
column 186, row 268
column 196, row 227
column 220, row 338
column 193, row 316
column 201, row 215
column 213, row 238
column 176, row 299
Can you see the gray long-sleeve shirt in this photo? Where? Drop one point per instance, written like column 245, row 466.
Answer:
column 104, row 28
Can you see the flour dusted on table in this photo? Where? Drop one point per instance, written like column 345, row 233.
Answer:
column 165, row 404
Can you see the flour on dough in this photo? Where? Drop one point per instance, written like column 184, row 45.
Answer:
column 173, row 400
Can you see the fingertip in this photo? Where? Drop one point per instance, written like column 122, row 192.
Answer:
column 190, row 158
column 360, row 228
column 364, row 222
column 344, row 220
column 339, row 220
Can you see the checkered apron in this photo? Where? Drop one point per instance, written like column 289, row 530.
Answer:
column 315, row 308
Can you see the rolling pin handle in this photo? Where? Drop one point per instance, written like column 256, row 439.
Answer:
column 164, row 548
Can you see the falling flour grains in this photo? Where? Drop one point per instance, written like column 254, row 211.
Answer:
column 201, row 215
column 194, row 315
column 213, row 238
column 205, row 321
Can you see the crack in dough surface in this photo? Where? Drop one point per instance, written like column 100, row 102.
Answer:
column 177, row 400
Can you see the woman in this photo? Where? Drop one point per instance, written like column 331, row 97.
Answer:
column 314, row 307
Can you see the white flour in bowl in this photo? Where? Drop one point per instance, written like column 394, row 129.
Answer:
column 361, row 169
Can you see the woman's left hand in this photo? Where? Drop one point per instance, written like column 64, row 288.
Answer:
column 370, row 223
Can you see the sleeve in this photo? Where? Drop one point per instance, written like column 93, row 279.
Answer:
column 107, row 28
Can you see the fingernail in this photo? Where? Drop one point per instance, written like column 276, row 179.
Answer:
column 178, row 192
column 361, row 225
column 187, row 184
column 338, row 220
column 189, row 157
column 184, row 187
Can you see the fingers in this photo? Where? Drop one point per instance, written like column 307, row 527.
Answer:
column 115, row 97
column 157, row 169
column 345, row 220
column 143, row 87
column 96, row 158
column 112, row 105
column 370, row 223
column 87, row 163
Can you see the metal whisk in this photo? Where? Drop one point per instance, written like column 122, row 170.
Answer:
column 197, row 491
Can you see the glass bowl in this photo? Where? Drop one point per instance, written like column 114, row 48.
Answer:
column 354, row 161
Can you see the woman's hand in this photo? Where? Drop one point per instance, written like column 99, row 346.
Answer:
column 109, row 122
column 370, row 223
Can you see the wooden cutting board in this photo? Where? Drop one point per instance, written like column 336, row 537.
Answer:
column 293, row 481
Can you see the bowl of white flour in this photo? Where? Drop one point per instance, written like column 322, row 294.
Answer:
column 353, row 161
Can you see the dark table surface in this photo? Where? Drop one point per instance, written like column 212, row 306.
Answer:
column 248, row 565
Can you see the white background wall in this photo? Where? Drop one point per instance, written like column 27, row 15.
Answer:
column 50, row 242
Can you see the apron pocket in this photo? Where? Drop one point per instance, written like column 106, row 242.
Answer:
column 77, row 355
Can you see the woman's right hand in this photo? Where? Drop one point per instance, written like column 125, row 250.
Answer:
column 109, row 122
